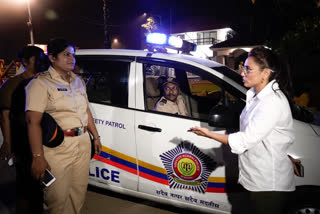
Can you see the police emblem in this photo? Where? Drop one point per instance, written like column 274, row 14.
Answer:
column 187, row 167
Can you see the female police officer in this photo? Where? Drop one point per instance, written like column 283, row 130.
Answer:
column 62, row 94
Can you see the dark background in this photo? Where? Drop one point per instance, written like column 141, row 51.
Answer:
column 81, row 21
column 290, row 27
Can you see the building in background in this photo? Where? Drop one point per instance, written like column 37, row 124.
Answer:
column 234, row 51
column 204, row 39
column 216, row 41
column 202, row 31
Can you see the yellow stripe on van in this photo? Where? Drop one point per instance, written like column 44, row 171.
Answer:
column 217, row 179
column 152, row 167
column 119, row 155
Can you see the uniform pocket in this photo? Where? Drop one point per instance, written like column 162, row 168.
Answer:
column 57, row 101
column 81, row 97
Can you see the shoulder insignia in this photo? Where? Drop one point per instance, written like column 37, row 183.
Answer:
column 43, row 73
column 163, row 101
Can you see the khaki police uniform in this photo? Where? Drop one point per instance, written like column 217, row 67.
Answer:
column 177, row 107
column 67, row 103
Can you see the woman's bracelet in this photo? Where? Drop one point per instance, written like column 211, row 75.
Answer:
column 97, row 138
column 36, row 155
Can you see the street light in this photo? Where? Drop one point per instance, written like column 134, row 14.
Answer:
column 116, row 43
column 29, row 23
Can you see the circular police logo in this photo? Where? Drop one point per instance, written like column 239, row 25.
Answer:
column 187, row 167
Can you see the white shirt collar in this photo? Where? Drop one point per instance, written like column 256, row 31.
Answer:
column 270, row 87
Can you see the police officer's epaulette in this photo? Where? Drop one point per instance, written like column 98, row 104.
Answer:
column 41, row 74
column 163, row 101
column 37, row 75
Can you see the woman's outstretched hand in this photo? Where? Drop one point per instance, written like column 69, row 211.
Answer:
column 222, row 138
column 200, row 131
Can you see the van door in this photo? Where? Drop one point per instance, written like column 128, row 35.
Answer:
column 175, row 164
column 110, row 84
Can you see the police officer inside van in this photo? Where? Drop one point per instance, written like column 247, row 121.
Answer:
column 172, row 101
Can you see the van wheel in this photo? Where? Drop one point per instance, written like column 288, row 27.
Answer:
column 305, row 209
column 306, row 201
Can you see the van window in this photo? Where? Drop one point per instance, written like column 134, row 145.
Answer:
column 107, row 81
column 200, row 90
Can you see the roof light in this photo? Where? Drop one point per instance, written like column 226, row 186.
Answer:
column 158, row 42
column 175, row 41
column 157, row 38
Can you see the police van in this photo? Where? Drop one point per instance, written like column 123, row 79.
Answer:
column 150, row 154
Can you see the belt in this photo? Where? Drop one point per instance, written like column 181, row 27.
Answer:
column 75, row 131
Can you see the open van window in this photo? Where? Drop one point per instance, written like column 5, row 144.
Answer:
column 200, row 92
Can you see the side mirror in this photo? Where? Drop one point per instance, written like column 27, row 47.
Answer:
column 224, row 117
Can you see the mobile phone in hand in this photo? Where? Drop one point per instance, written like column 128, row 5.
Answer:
column 300, row 169
column 48, row 178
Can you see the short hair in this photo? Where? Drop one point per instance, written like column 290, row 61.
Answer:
column 29, row 51
column 41, row 60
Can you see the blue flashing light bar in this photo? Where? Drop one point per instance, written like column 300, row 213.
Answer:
column 162, row 40
column 175, row 42
column 157, row 38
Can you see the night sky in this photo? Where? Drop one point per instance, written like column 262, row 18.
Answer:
column 81, row 21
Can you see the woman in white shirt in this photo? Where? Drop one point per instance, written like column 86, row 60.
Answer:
column 265, row 135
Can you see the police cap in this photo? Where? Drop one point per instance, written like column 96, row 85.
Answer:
column 52, row 134
column 170, row 80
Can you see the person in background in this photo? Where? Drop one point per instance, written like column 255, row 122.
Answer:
column 62, row 94
column 171, row 102
column 13, row 127
column 240, row 67
column 266, row 133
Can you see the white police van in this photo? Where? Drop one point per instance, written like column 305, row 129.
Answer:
column 151, row 155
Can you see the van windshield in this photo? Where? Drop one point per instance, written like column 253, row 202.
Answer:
column 232, row 74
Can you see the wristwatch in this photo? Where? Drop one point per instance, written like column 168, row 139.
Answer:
column 97, row 138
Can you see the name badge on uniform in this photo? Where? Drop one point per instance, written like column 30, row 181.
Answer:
column 62, row 89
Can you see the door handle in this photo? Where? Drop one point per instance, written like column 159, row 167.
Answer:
column 149, row 128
